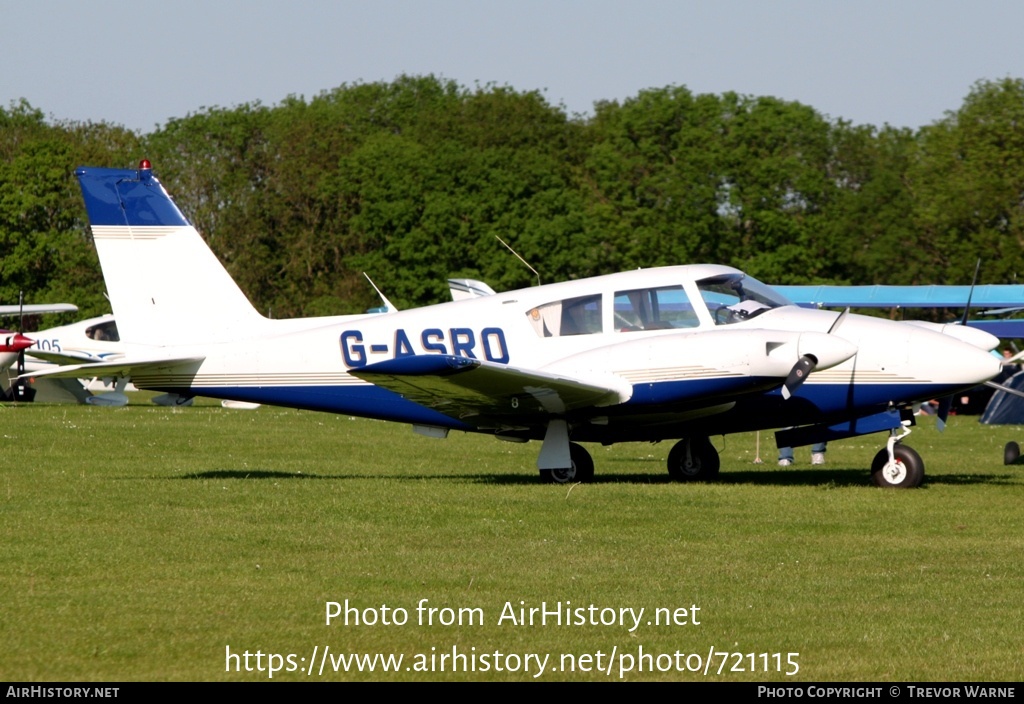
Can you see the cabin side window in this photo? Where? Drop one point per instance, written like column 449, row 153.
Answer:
column 572, row 316
column 103, row 331
column 664, row 308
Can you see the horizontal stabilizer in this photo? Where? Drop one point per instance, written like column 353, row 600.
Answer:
column 65, row 358
column 122, row 367
column 461, row 387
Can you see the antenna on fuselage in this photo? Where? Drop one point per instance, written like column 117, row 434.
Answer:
column 519, row 258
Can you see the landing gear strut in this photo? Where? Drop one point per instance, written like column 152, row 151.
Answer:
column 693, row 459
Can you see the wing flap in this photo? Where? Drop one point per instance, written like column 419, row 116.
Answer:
column 462, row 387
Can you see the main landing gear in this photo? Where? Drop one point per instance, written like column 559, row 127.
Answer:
column 561, row 461
column 582, row 469
column 693, row 460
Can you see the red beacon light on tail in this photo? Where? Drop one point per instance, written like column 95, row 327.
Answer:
column 145, row 165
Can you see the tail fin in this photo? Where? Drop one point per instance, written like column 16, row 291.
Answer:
column 165, row 285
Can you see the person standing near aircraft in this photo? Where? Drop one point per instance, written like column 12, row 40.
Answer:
column 817, row 454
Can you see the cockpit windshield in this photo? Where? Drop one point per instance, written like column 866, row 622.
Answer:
column 735, row 297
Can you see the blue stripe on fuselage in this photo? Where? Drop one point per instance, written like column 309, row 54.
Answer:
column 698, row 390
column 832, row 398
column 367, row 401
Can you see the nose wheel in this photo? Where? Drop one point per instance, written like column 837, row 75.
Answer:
column 904, row 471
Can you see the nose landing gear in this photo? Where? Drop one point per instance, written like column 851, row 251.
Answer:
column 897, row 466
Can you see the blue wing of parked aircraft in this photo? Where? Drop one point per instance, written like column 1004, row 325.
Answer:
column 989, row 296
column 935, row 296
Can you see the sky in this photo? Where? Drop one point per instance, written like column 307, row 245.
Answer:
column 905, row 63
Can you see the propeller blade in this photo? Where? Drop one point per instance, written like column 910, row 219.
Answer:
column 942, row 414
column 20, row 389
column 21, row 328
column 798, row 375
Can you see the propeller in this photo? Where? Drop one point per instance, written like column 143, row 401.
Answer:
column 942, row 413
column 798, row 374
column 21, row 390
column 807, row 363
column 21, row 326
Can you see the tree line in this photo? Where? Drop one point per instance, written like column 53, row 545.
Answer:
column 413, row 181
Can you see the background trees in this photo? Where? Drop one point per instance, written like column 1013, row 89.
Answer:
column 413, row 181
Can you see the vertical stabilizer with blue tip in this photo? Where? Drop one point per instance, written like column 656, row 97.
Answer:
column 165, row 285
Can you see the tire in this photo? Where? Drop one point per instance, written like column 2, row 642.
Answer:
column 1011, row 453
column 908, row 472
column 582, row 469
column 702, row 465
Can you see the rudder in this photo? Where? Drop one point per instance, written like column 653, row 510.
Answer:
column 166, row 287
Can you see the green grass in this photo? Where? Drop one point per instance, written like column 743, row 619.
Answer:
column 139, row 543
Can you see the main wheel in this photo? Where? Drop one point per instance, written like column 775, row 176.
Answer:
column 693, row 459
column 582, row 469
column 906, row 472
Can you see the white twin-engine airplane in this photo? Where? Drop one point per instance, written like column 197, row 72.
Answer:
column 681, row 352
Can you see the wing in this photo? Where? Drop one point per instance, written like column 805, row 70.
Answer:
column 476, row 391
column 988, row 296
column 1006, row 296
column 37, row 308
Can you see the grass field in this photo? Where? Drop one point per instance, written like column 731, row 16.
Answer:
column 148, row 543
